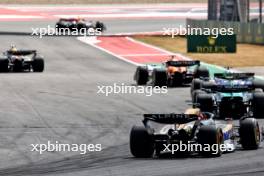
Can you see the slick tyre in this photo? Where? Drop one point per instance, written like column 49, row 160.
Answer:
column 201, row 72
column 58, row 26
column 258, row 104
column 196, row 84
column 18, row 66
column 159, row 78
column 141, row 143
column 258, row 84
column 4, row 65
column 100, row 26
column 141, row 76
column 208, row 85
column 209, row 137
column 177, row 80
column 38, row 65
column 195, row 95
column 249, row 133
column 205, row 102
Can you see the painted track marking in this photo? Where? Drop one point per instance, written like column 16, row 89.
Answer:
column 130, row 50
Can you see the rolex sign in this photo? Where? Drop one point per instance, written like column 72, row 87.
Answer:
column 211, row 44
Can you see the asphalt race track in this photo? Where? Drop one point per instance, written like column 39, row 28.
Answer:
column 113, row 26
column 62, row 104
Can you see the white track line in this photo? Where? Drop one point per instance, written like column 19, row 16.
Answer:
column 149, row 54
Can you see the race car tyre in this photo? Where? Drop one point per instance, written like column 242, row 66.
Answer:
column 195, row 95
column 141, row 76
column 81, row 26
column 208, row 85
column 196, row 84
column 201, row 72
column 177, row 79
column 209, row 136
column 141, row 143
column 258, row 84
column 60, row 29
column 258, row 104
column 100, row 26
column 38, row 65
column 18, row 66
column 249, row 133
column 159, row 78
column 205, row 102
column 258, row 90
column 4, row 65
column 58, row 26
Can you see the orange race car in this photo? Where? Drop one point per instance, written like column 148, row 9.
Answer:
column 170, row 73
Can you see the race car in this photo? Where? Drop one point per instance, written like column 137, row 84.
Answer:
column 15, row 60
column 170, row 73
column 231, row 95
column 206, row 134
column 228, row 78
column 77, row 24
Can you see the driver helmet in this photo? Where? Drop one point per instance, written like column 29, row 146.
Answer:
column 173, row 58
column 13, row 48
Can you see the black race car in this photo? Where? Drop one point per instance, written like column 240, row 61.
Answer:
column 21, row 60
column 78, row 24
column 200, row 132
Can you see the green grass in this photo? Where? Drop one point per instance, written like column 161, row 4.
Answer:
column 247, row 55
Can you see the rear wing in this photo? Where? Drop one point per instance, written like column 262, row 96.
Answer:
column 232, row 88
column 170, row 118
column 234, row 76
column 68, row 19
column 182, row 63
column 22, row 52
